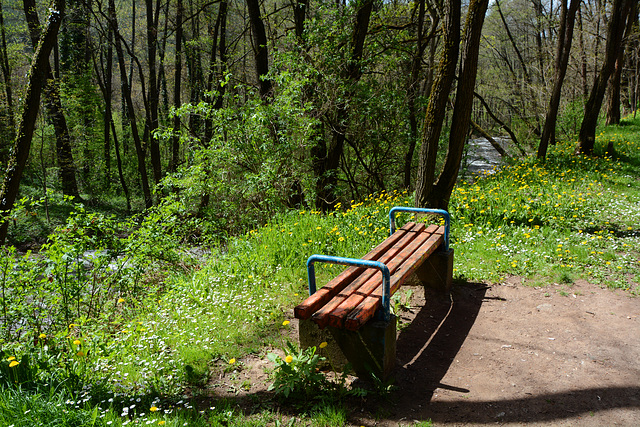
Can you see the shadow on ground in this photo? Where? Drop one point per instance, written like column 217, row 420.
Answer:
column 427, row 348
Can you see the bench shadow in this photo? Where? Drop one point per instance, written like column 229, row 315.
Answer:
column 427, row 347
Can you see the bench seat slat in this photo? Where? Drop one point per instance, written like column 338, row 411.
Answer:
column 320, row 316
column 338, row 316
column 305, row 309
column 367, row 308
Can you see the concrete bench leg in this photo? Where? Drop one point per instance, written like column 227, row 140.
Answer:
column 370, row 349
column 437, row 271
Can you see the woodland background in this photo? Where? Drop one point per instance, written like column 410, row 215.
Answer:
column 243, row 109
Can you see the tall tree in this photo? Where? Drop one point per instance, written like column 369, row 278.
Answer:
column 175, row 141
column 6, row 74
column 437, row 194
column 153, row 96
column 436, row 109
column 131, row 113
column 35, row 83
column 422, row 35
column 326, row 159
column 261, row 54
column 613, row 89
column 565, row 37
column 53, row 103
column 615, row 30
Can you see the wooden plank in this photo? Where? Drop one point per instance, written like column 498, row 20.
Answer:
column 305, row 309
column 337, row 316
column 320, row 316
column 367, row 308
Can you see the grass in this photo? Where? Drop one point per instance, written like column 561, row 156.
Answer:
column 171, row 320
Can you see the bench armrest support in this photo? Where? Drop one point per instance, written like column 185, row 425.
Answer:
column 445, row 214
column 386, row 275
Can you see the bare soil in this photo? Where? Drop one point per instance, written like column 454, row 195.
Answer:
column 505, row 354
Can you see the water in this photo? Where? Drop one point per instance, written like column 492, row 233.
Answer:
column 481, row 158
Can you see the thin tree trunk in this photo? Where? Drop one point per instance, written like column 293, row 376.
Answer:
column 259, row 48
column 175, row 141
column 6, row 73
column 615, row 31
column 413, row 90
column 327, row 159
column 488, row 137
column 35, row 84
column 126, row 92
column 123, row 182
column 108, row 95
column 583, row 58
column 54, row 109
column 153, row 94
column 565, row 37
column 503, row 125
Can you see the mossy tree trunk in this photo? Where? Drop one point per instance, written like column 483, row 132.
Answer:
column 436, row 109
column 617, row 24
column 53, row 104
column 437, row 194
column 36, row 81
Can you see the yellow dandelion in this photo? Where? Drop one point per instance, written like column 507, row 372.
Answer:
column 120, row 300
column 285, row 323
column 11, row 358
column 288, row 359
column 161, row 423
column 13, row 363
column 232, row 361
column 42, row 336
column 77, row 342
column 80, row 354
column 153, row 408
column 323, row 344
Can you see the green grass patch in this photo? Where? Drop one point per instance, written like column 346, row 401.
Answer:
column 141, row 322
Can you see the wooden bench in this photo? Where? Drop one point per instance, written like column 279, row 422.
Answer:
column 354, row 307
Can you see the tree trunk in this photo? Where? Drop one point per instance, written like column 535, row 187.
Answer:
column 587, row 136
column 436, row 109
column 326, row 160
column 217, row 69
column 6, row 73
column 54, row 111
column 503, row 125
column 613, row 90
column 35, row 83
column 126, row 93
column 153, row 93
column 413, row 90
column 565, row 37
column 108, row 96
column 583, row 57
column 463, row 105
column 175, row 141
column 261, row 53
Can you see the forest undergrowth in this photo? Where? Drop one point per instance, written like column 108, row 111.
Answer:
column 118, row 321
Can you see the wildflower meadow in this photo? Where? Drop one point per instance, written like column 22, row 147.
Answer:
column 134, row 333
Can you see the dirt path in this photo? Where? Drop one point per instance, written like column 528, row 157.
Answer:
column 508, row 354
column 512, row 354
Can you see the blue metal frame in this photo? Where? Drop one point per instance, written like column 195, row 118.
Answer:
column 445, row 214
column 386, row 276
